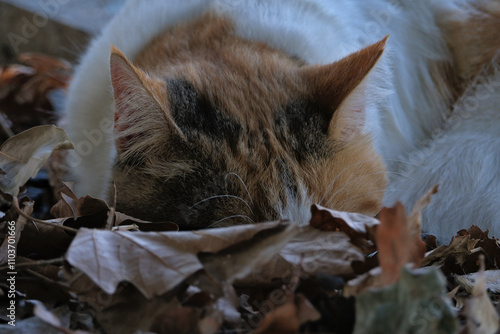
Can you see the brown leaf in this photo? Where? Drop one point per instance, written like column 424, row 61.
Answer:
column 41, row 312
column 46, row 241
column 415, row 216
column 35, row 90
column 350, row 223
column 241, row 259
column 127, row 310
column 457, row 252
column 52, row 319
column 154, row 262
column 393, row 243
column 24, row 154
column 66, row 206
column 188, row 320
column 491, row 278
column 281, row 318
column 358, row 227
column 37, row 325
column 462, row 254
column 90, row 212
column 11, row 72
column 397, row 245
column 363, row 282
column 481, row 315
column 305, row 310
column 10, row 243
column 228, row 305
column 310, row 251
column 44, row 63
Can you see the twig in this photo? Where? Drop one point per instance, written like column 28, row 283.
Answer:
column 46, row 279
column 110, row 222
column 15, row 204
column 35, row 263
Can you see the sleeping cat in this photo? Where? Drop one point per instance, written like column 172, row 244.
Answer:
column 231, row 112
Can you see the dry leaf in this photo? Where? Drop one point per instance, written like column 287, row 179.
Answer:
column 415, row 216
column 133, row 313
column 24, row 154
column 491, row 278
column 44, row 63
column 305, row 310
column 154, row 262
column 188, row 320
column 482, row 317
column 14, row 233
column 457, row 252
column 42, row 313
column 286, row 316
column 348, row 222
column 66, row 206
column 241, row 259
column 11, row 72
column 309, row 252
column 50, row 73
column 393, row 243
column 94, row 213
column 363, row 282
column 281, row 318
column 228, row 305
column 416, row 303
column 37, row 325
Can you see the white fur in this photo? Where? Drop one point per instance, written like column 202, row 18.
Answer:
column 463, row 157
column 408, row 109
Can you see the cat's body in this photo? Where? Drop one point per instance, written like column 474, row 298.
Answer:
column 250, row 66
column 463, row 156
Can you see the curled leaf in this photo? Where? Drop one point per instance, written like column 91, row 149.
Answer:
column 24, row 154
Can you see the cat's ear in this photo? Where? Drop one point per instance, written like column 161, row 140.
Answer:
column 343, row 90
column 140, row 119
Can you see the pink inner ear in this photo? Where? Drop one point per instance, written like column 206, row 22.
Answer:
column 350, row 118
column 122, row 78
column 119, row 77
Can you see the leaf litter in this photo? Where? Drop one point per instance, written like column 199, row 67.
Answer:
column 86, row 268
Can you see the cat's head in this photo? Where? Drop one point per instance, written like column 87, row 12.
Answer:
column 246, row 135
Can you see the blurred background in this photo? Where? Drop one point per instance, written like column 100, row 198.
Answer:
column 40, row 42
column 60, row 28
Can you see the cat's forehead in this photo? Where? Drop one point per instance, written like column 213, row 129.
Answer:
column 196, row 115
column 244, row 90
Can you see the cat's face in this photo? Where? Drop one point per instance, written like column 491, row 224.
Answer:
column 241, row 134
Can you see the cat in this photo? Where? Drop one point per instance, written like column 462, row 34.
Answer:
column 208, row 113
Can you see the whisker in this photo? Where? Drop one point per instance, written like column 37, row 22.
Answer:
column 230, row 217
column 243, row 183
column 221, row 196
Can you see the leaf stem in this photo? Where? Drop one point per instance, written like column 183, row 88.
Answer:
column 15, row 204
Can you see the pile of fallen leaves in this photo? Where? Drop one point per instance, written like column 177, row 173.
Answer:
column 90, row 269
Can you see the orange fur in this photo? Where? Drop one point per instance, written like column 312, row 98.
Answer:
column 473, row 38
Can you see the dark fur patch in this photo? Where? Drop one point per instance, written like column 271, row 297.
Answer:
column 195, row 115
column 289, row 180
column 303, row 126
column 193, row 206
